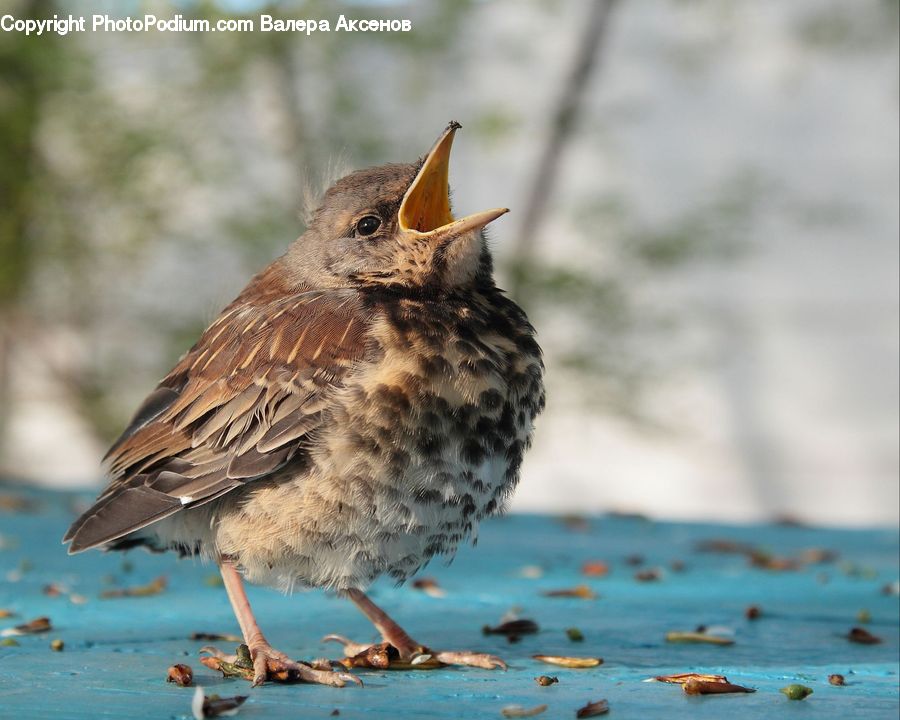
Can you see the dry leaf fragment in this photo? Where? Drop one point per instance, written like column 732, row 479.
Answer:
column 17, row 503
column 152, row 588
column 378, row 656
column 593, row 709
column 649, row 575
column 703, row 687
column 9, row 642
column 430, row 587
column 4, row 613
column 512, row 628
column 181, row 675
column 815, row 556
column 38, row 625
column 862, row 636
column 203, row 706
column 595, row 568
column 531, row 572
column 796, row 691
column 579, row 591
column 212, row 637
column 545, row 680
column 577, row 523
column 681, row 678
column 719, row 545
column 517, row 711
column 385, row 656
column 764, row 560
column 697, row 637
column 53, row 590
column 569, row 662
column 228, row 669
column 836, row 679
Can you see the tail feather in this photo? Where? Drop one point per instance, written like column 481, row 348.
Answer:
column 118, row 515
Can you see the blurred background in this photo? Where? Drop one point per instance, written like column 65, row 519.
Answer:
column 704, row 224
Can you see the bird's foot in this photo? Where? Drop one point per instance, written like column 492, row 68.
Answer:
column 405, row 654
column 471, row 659
column 260, row 662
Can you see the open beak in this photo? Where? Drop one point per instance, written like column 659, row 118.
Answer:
column 425, row 209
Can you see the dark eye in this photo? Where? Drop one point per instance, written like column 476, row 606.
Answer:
column 368, row 225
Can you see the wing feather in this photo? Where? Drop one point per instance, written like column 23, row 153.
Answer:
column 238, row 406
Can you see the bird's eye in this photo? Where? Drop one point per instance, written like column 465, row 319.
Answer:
column 368, row 225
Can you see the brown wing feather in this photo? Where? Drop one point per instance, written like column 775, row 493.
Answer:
column 236, row 407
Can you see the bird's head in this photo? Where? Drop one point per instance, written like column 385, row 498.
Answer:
column 392, row 226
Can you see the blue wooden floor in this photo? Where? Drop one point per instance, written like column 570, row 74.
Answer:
column 117, row 650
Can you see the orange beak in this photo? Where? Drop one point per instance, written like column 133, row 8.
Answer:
column 425, row 209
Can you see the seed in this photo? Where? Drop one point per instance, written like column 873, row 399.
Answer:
column 702, row 687
column 181, row 675
column 595, row 568
column 517, row 711
column 152, row 588
column 649, row 575
column 574, row 634
column 592, row 709
column 57, row 645
column 569, row 662
column 38, row 625
column 204, row 706
column 836, row 679
column 682, row 678
column 697, row 637
column 430, row 587
column 512, row 628
column 753, row 612
column 862, row 636
column 579, row 591
column 796, row 691
column 545, row 680
column 212, row 637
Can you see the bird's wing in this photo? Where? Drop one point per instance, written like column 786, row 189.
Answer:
column 236, row 407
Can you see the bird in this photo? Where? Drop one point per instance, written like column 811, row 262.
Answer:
column 358, row 409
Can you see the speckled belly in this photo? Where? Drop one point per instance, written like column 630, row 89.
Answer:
column 421, row 444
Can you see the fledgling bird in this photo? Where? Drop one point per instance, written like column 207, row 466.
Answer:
column 359, row 408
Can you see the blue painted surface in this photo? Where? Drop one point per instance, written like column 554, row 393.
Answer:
column 117, row 651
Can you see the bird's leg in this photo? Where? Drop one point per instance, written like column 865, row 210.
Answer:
column 411, row 652
column 267, row 660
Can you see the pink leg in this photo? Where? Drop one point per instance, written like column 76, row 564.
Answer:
column 264, row 656
column 410, row 650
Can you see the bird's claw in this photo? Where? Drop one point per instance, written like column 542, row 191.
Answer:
column 262, row 662
column 350, row 647
column 386, row 656
column 471, row 659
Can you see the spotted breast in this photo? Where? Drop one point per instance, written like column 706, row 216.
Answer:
column 424, row 439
